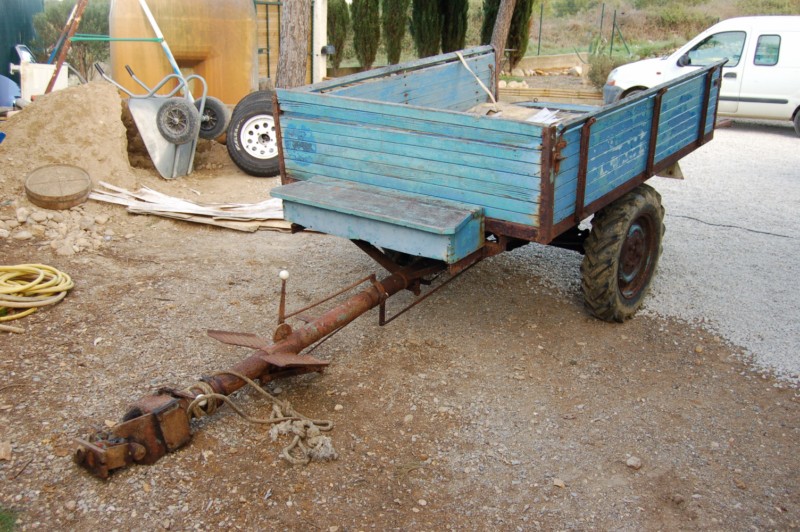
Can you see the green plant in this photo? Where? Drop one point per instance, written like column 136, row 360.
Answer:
column 366, row 30
column 394, row 14
column 519, row 32
column 565, row 8
column 454, row 23
column 490, row 8
column 600, row 66
column 426, row 27
column 82, row 55
column 338, row 29
column 7, row 520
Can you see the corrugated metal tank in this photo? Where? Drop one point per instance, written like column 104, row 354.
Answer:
column 213, row 38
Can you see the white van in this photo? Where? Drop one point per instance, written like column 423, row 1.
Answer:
column 760, row 80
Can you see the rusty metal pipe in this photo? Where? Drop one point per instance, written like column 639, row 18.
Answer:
column 255, row 367
column 160, row 423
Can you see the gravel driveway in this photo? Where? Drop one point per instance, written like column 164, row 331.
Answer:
column 731, row 254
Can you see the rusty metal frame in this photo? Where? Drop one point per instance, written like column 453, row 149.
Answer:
column 382, row 320
column 701, row 129
column 276, row 117
column 654, row 124
column 583, row 166
column 546, row 186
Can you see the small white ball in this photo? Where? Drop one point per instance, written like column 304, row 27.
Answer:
column 283, row 275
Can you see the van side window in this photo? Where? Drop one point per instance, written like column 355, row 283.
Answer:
column 768, row 49
column 728, row 44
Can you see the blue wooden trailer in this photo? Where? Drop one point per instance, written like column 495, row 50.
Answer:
column 392, row 159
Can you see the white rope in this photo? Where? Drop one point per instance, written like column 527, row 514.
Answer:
column 484, row 87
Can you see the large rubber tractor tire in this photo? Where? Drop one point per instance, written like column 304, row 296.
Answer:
column 252, row 142
column 621, row 254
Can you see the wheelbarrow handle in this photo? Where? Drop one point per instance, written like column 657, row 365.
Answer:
column 130, row 71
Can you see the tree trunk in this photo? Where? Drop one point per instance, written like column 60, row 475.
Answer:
column 501, row 27
column 295, row 32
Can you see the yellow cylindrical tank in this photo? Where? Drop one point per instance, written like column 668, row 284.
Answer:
column 215, row 39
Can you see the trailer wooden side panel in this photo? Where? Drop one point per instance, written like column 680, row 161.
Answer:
column 483, row 161
column 620, row 147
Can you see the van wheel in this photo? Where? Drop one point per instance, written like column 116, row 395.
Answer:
column 632, row 92
column 797, row 122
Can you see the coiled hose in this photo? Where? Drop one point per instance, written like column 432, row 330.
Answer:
column 27, row 287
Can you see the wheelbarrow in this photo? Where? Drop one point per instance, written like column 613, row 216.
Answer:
column 171, row 124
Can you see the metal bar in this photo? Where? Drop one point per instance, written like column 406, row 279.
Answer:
column 583, row 164
column 546, row 182
column 88, row 37
column 701, row 128
column 541, row 17
column 613, row 25
column 321, row 301
column 62, row 53
column 276, row 117
column 164, row 45
column 656, row 120
column 63, row 36
column 383, row 321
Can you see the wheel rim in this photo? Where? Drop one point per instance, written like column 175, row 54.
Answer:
column 176, row 121
column 258, row 137
column 209, row 120
column 636, row 257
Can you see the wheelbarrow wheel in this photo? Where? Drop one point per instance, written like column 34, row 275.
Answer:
column 621, row 254
column 214, row 118
column 252, row 142
column 178, row 120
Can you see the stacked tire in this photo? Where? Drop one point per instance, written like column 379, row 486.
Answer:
column 252, row 142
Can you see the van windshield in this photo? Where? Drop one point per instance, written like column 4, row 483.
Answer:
column 726, row 45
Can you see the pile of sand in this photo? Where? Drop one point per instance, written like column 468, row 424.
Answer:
column 80, row 125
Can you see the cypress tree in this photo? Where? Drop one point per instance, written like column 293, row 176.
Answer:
column 426, row 26
column 518, row 33
column 490, row 9
column 394, row 14
column 366, row 19
column 454, row 24
column 338, row 29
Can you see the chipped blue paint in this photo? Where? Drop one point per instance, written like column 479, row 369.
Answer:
column 400, row 133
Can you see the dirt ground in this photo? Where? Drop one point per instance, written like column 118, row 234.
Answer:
column 496, row 404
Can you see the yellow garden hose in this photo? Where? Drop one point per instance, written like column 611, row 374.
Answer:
column 28, row 287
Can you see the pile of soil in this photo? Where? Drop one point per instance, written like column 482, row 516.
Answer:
column 80, row 126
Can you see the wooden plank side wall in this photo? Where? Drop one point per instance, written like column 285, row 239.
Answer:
column 680, row 117
column 446, row 86
column 619, row 140
column 419, row 150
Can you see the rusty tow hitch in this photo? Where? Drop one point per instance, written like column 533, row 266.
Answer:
column 161, row 423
